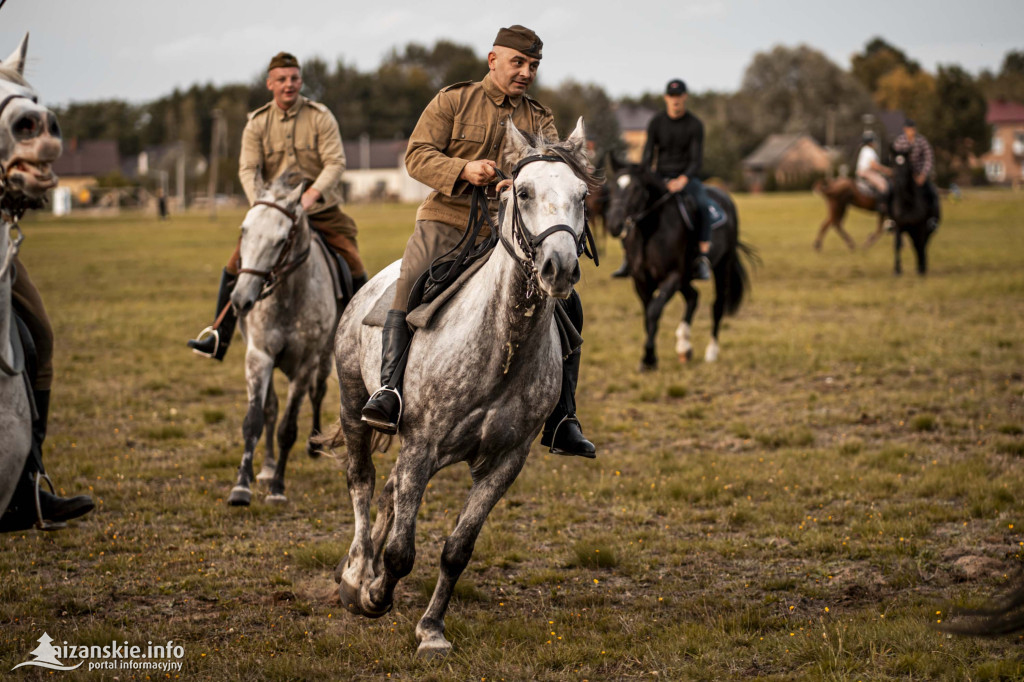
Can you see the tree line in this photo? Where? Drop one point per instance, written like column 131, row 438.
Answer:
column 784, row 90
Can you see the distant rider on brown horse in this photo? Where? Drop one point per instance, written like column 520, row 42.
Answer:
column 872, row 172
column 289, row 133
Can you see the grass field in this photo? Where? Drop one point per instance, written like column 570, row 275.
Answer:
column 806, row 508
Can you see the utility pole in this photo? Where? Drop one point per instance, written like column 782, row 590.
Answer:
column 218, row 138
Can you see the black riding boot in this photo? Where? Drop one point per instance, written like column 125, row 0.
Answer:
column 383, row 410
column 53, row 510
column 213, row 343
column 562, row 431
column 702, row 267
column 623, row 270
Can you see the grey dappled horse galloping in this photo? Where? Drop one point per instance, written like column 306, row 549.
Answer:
column 660, row 253
column 481, row 380
column 287, row 311
column 29, row 144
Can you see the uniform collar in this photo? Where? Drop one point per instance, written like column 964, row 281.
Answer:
column 495, row 94
column 291, row 111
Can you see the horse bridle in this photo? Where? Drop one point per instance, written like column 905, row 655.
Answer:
column 633, row 219
column 14, row 205
column 282, row 267
column 529, row 243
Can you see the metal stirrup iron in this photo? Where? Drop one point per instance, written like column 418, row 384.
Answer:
column 554, row 434
column 41, row 523
column 401, row 405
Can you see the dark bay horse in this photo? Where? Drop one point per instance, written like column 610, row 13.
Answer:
column 481, row 379
column 911, row 212
column 660, row 252
column 841, row 194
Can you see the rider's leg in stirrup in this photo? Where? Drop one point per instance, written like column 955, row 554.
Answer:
column 563, row 434
column 214, row 340
column 383, row 411
column 702, row 266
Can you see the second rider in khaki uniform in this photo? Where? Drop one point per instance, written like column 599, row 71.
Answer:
column 290, row 133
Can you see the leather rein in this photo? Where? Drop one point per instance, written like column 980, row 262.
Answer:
column 282, row 267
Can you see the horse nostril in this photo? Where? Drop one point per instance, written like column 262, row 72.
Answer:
column 27, row 126
column 576, row 272
column 549, row 270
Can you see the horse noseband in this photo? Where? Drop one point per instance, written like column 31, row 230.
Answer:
column 529, row 243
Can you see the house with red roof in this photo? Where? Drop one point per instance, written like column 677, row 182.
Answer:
column 1004, row 162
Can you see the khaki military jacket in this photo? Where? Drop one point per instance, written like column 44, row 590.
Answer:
column 304, row 138
column 466, row 122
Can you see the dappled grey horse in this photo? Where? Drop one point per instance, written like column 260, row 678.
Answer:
column 29, row 144
column 482, row 377
column 288, row 311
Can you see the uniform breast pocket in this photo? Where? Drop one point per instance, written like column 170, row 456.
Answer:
column 472, row 133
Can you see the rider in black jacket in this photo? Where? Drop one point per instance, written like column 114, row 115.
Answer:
column 675, row 145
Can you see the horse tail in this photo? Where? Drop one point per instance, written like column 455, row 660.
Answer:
column 1003, row 616
column 329, row 439
column 335, row 437
column 737, row 280
column 381, row 442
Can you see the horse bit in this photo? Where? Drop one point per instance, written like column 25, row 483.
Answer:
column 529, row 243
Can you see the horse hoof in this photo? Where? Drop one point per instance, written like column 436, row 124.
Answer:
column 434, row 648
column 351, row 600
column 275, row 498
column 312, row 451
column 266, row 473
column 686, row 357
column 240, row 497
column 645, row 367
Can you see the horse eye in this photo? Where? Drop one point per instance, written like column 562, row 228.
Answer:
column 523, row 194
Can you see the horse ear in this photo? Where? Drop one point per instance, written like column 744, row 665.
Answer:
column 517, row 147
column 296, row 194
column 577, row 140
column 17, row 59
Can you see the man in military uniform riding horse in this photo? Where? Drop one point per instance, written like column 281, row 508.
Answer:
column 290, row 133
column 456, row 146
column 675, row 146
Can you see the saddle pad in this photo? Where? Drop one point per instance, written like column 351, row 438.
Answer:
column 340, row 279
column 422, row 316
column 718, row 216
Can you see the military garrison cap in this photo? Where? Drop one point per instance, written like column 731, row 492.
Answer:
column 283, row 60
column 520, row 38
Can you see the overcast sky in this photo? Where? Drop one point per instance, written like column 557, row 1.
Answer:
column 139, row 50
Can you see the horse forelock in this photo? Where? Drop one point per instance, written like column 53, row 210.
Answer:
column 567, row 152
column 282, row 186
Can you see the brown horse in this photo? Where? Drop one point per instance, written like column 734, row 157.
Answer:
column 840, row 194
